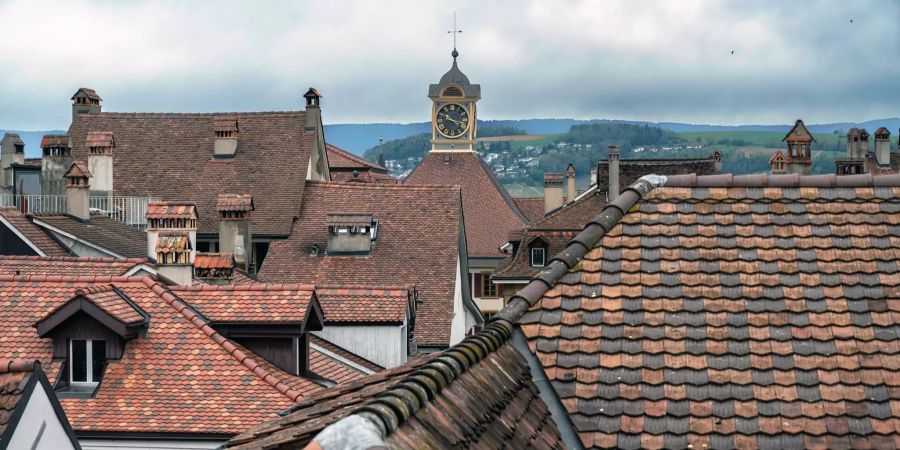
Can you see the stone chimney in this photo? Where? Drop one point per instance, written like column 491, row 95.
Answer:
column 778, row 163
column 613, row 186
column 214, row 268
column 570, row 183
column 235, row 234
column 313, row 113
column 226, row 130
column 798, row 158
column 172, row 239
column 56, row 160
column 85, row 101
column 553, row 191
column 883, row 146
column 12, row 151
column 350, row 233
column 78, row 185
column 717, row 161
column 100, row 145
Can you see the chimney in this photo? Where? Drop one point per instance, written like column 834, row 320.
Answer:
column 56, row 160
column 717, row 161
column 226, row 130
column 778, row 163
column 214, row 268
column 613, row 187
column 313, row 113
column 570, row 183
column 350, row 233
column 12, row 151
column 553, row 191
column 78, row 187
column 235, row 235
column 85, row 101
column 172, row 239
column 862, row 148
column 883, row 146
column 100, row 146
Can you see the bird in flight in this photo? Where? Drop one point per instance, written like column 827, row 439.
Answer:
column 732, row 52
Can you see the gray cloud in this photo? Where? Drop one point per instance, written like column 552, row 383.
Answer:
column 649, row 60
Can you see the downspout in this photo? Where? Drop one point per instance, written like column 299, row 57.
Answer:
column 548, row 394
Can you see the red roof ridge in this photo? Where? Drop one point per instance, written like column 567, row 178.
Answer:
column 245, row 287
column 371, row 186
column 87, row 290
column 96, row 259
column 202, row 114
column 789, row 180
column 239, row 355
column 391, row 287
column 17, row 365
column 77, row 278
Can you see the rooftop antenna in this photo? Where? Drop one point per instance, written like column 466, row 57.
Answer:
column 454, row 32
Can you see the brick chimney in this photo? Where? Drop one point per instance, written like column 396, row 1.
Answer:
column 883, row 146
column 172, row 239
column 570, row 183
column 613, row 186
column 56, row 160
column 318, row 161
column 553, row 191
column 12, row 151
column 313, row 112
column 85, row 101
column 78, row 185
column 226, row 130
column 235, row 234
column 214, row 268
column 351, row 233
column 100, row 146
column 778, row 163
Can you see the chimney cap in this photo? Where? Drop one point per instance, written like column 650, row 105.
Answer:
column 78, row 169
column 234, row 202
column 570, row 169
column 56, row 140
column 312, row 93
column 171, row 210
column 86, row 92
column 214, row 261
column 347, row 219
column 100, row 139
column 221, row 123
column 14, row 137
column 553, row 177
column 882, row 132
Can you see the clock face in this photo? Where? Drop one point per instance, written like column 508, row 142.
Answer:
column 452, row 120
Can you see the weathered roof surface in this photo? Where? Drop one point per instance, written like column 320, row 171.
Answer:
column 345, row 166
column 234, row 202
column 99, row 139
column 322, row 362
column 14, row 138
column 318, row 341
column 173, row 241
column 727, row 311
column 493, row 404
column 170, row 156
column 110, row 234
column 531, row 207
column 213, row 261
column 631, row 169
column 34, row 234
column 78, row 169
column 518, row 266
column 172, row 210
column 56, row 140
column 249, row 303
column 67, row 265
column 417, row 245
column 182, row 377
column 364, row 304
column 87, row 92
column 14, row 378
column 490, row 213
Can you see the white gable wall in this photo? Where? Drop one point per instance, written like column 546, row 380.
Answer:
column 39, row 424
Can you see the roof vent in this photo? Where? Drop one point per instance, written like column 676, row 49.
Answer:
column 351, row 233
column 452, row 91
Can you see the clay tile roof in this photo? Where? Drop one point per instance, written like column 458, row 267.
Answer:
column 55, row 140
column 364, row 304
column 225, row 124
column 15, row 375
column 882, row 131
column 67, row 265
column 16, row 139
column 110, row 300
column 88, row 92
column 23, row 227
column 78, row 169
column 531, row 207
column 348, row 219
column 214, row 261
column 181, row 377
column 339, row 158
column 171, row 210
column 799, row 133
column 170, row 156
column 172, row 241
column 419, row 225
column 99, row 139
column 234, row 202
column 345, row 374
column 113, row 235
column 257, row 303
column 631, row 169
column 490, row 213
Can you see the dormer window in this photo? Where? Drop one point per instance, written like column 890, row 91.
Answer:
column 351, row 233
column 226, row 131
column 538, row 257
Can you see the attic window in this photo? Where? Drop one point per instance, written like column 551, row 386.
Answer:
column 87, row 358
column 538, row 257
column 453, row 91
column 350, row 233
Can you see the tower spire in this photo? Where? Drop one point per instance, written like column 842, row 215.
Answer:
column 454, row 32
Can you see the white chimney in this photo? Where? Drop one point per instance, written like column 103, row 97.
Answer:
column 172, row 239
column 235, row 233
column 553, row 191
column 100, row 145
column 570, row 183
column 883, row 146
column 78, row 185
column 613, row 188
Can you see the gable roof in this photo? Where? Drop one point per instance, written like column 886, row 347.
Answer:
column 365, row 305
column 68, row 265
column 339, row 158
column 531, row 207
column 799, row 133
column 31, row 234
column 18, row 380
column 490, row 212
column 111, row 235
column 188, row 378
column 256, row 303
column 170, row 156
column 108, row 305
column 418, row 226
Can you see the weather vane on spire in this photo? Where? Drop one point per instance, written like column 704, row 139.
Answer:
column 454, row 32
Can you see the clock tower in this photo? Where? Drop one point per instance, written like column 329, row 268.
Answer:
column 453, row 116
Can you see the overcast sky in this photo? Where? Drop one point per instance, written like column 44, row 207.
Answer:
column 373, row 60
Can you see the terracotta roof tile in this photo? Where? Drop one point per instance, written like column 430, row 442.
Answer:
column 490, row 213
column 419, row 226
column 14, row 377
column 249, row 303
column 234, row 202
column 56, row 140
column 34, row 234
column 531, row 207
column 214, row 261
column 109, row 234
column 170, row 156
column 171, row 210
column 630, row 170
column 99, row 139
column 111, row 301
column 364, row 304
column 67, row 265
column 346, row 354
column 342, row 159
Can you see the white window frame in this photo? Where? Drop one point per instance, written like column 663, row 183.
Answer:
column 543, row 257
column 89, row 354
